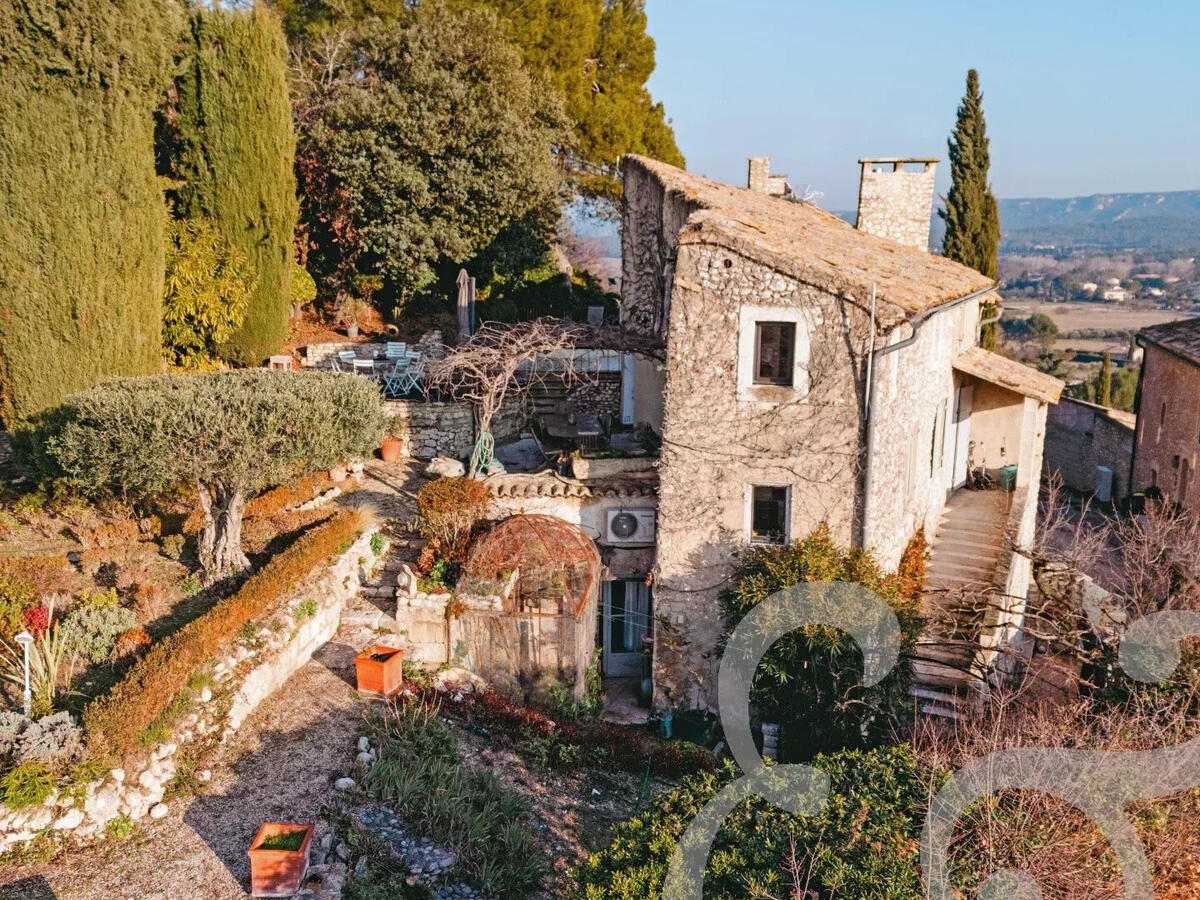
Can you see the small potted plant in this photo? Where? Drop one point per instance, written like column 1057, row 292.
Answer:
column 380, row 669
column 391, row 449
column 279, row 858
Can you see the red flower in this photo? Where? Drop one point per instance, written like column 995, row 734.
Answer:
column 36, row 619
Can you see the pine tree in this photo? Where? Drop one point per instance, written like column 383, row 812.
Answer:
column 82, row 217
column 971, row 214
column 1104, row 381
column 233, row 149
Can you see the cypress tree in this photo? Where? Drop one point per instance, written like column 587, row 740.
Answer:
column 1104, row 381
column 971, row 215
column 234, row 151
column 82, row 217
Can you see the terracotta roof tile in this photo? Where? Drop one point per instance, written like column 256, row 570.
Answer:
column 815, row 246
column 546, row 484
column 1181, row 337
column 1010, row 374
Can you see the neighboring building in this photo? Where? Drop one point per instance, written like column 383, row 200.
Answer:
column 815, row 373
column 1168, row 433
column 1090, row 448
column 1114, row 295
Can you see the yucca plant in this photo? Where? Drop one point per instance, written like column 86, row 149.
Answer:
column 51, row 665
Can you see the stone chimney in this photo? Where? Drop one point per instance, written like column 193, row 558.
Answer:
column 762, row 181
column 895, row 199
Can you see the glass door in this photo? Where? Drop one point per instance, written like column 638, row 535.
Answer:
column 627, row 611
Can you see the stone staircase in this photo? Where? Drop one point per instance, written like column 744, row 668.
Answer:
column 966, row 551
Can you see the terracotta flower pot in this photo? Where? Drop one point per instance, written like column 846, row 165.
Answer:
column 391, row 449
column 380, row 669
column 275, row 871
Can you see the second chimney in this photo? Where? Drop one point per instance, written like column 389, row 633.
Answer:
column 897, row 202
column 762, row 181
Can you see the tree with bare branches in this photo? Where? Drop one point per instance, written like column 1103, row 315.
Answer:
column 503, row 363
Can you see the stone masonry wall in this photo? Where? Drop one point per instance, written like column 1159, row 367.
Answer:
column 248, row 673
column 601, row 399
column 896, row 204
column 432, row 429
column 716, row 445
column 1168, row 423
column 1081, row 436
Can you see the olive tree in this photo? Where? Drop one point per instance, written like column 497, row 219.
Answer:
column 231, row 434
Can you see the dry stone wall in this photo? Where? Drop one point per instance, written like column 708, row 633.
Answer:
column 897, row 204
column 251, row 671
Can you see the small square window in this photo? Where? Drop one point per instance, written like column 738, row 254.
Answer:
column 775, row 353
column 769, row 514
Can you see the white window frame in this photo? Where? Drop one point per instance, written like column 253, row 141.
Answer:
column 748, row 510
column 770, row 394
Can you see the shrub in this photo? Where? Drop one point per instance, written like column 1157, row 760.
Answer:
column 16, row 596
column 51, row 739
column 418, row 770
column 828, row 709
column 378, row 542
column 305, row 610
column 132, row 642
column 91, row 631
column 113, row 723
column 11, row 726
column 29, row 784
column 448, row 510
column 208, row 285
column 863, row 844
column 286, row 496
column 230, row 433
column 172, row 546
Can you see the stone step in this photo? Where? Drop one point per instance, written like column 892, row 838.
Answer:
column 941, row 712
column 965, row 553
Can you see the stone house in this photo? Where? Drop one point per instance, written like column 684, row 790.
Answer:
column 814, row 373
column 1168, row 431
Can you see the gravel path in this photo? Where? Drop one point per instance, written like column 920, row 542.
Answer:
column 281, row 765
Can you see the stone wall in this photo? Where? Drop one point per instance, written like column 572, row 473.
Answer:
column 1081, row 436
column 896, row 204
column 912, row 459
column 434, row 428
column 1168, row 425
column 601, row 397
column 252, row 669
column 651, row 221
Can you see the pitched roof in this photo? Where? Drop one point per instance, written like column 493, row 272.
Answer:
column 1010, row 374
column 1181, row 337
column 815, row 246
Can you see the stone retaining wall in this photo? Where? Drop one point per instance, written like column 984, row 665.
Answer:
column 250, row 672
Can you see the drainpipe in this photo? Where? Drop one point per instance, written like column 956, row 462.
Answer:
column 982, row 322
column 869, row 411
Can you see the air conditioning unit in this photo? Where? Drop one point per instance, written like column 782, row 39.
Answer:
column 630, row 526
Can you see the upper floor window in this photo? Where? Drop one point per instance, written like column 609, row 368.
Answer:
column 769, row 514
column 775, row 353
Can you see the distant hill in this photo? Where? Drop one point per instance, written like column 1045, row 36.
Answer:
column 1157, row 221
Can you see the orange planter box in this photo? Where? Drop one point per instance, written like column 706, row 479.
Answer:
column 278, row 873
column 380, row 669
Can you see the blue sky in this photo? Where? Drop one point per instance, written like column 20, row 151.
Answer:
column 1081, row 97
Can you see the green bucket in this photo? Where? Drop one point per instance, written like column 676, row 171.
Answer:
column 1008, row 478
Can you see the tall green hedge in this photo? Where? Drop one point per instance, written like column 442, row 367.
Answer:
column 81, row 212
column 234, row 153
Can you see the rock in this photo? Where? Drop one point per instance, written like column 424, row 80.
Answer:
column 73, row 819
column 205, row 776
column 118, row 775
column 364, row 744
column 365, row 759
column 149, row 780
column 345, row 784
column 159, row 811
column 445, row 467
